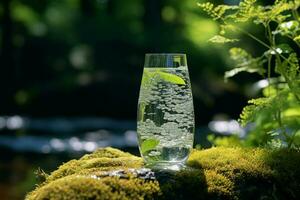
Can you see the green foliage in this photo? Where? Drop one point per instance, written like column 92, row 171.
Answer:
column 148, row 145
column 159, row 74
column 171, row 78
column 216, row 173
column 276, row 115
column 221, row 39
column 244, row 62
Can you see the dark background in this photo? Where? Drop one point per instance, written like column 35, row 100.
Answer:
column 71, row 70
column 85, row 57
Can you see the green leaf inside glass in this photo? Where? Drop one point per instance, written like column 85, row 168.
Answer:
column 148, row 145
column 159, row 74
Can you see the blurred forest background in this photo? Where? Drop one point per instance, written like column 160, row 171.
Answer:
column 70, row 72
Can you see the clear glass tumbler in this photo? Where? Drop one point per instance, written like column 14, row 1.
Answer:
column 165, row 123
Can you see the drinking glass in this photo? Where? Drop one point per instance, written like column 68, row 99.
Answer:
column 165, row 122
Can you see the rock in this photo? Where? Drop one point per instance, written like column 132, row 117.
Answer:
column 216, row 173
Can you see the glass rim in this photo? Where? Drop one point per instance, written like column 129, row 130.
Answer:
column 165, row 54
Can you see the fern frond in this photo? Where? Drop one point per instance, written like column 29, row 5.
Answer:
column 278, row 1
column 289, row 68
column 216, row 12
column 266, row 109
column 273, row 114
column 250, row 112
column 208, row 8
column 246, row 10
column 274, row 14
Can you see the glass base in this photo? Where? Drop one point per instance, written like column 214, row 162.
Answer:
column 166, row 166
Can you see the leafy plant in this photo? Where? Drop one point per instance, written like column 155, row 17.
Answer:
column 276, row 115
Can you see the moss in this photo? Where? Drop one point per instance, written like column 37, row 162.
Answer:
column 216, row 173
column 250, row 173
column 101, row 160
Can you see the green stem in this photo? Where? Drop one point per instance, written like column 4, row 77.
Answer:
column 297, row 43
column 287, row 138
column 297, row 18
column 270, row 35
column 295, row 14
column 288, row 81
column 278, row 56
column 262, row 43
column 253, row 37
column 269, row 69
column 272, row 42
column 292, row 38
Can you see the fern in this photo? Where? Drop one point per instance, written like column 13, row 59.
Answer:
column 249, row 112
column 246, row 11
column 289, row 68
column 216, row 12
column 276, row 116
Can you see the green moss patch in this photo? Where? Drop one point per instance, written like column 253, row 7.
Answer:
column 216, row 173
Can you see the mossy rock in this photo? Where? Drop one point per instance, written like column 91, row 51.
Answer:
column 216, row 173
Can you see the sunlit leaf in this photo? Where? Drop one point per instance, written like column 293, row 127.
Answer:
column 292, row 112
column 297, row 38
column 269, row 91
column 148, row 145
column 167, row 77
column 171, row 78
